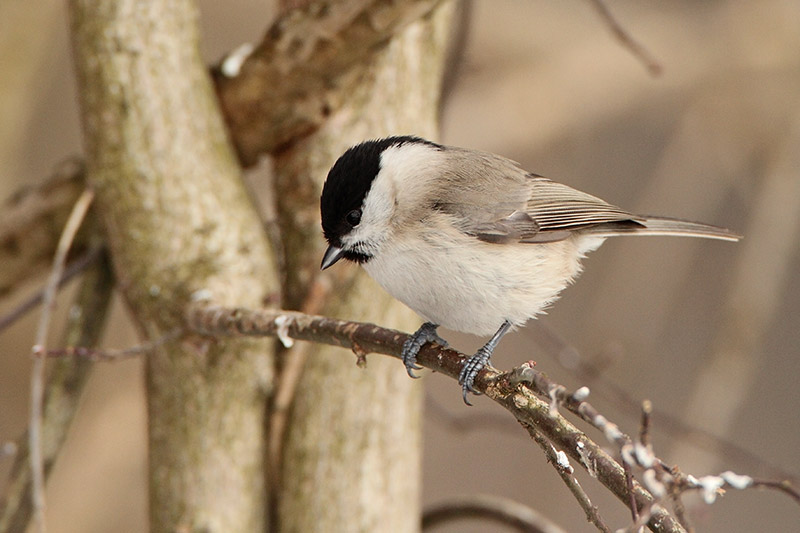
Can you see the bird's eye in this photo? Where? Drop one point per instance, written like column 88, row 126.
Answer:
column 353, row 217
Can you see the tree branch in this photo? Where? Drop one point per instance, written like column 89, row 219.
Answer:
column 31, row 222
column 591, row 374
column 73, row 223
column 521, row 402
column 547, row 429
column 501, row 510
column 564, row 469
column 308, row 63
column 73, row 268
column 626, row 39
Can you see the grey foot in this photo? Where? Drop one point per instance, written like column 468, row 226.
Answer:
column 426, row 333
column 470, row 370
column 477, row 362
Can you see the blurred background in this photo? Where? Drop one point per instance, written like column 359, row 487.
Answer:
column 708, row 331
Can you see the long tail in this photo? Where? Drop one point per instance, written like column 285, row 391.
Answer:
column 655, row 225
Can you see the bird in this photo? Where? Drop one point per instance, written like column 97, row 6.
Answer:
column 468, row 239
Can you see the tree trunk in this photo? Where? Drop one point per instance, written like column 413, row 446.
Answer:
column 351, row 460
column 180, row 226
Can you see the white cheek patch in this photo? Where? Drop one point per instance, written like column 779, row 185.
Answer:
column 378, row 205
column 400, row 165
column 376, row 214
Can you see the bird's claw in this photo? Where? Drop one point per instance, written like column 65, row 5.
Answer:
column 472, row 366
column 476, row 363
column 426, row 333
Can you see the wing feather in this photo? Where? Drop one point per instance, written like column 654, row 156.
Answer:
column 558, row 207
column 529, row 208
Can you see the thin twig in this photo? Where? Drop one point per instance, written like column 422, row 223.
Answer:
column 576, row 402
column 781, row 486
column 94, row 354
column 644, row 439
column 508, row 512
column 30, row 224
column 626, row 40
column 639, row 524
column 711, row 485
column 66, row 380
column 631, row 496
column 74, row 268
column 680, row 509
column 565, row 471
column 39, row 348
column 644, row 430
column 553, row 343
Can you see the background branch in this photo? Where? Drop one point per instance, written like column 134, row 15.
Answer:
column 72, row 269
column 65, row 383
column 306, row 67
column 31, row 221
column 39, row 349
column 500, row 510
column 626, row 39
column 565, row 471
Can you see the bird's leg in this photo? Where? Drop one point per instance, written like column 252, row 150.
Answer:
column 475, row 364
column 425, row 333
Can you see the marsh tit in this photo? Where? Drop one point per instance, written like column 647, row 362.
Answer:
column 468, row 239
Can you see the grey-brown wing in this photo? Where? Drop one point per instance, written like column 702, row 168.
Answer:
column 486, row 195
column 509, row 205
column 559, row 208
column 552, row 212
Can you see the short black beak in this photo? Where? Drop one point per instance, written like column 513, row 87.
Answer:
column 332, row 254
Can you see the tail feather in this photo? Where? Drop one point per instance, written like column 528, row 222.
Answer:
column 656, row 225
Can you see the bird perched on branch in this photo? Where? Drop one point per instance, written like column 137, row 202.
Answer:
column 468, row 239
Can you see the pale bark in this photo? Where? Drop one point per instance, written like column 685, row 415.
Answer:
column 307, row 67
column 179, row 223
column 352, row 452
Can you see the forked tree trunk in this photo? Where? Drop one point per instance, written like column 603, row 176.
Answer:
column 352, row 452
